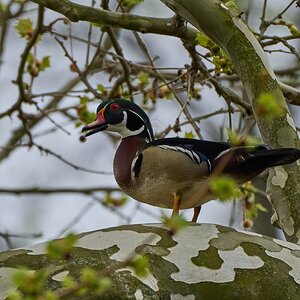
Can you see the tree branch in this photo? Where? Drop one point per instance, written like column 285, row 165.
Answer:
column 76, row 12
column 57, row 190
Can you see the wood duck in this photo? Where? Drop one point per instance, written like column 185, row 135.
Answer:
column 173, row 172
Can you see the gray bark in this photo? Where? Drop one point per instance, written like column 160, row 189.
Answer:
column 199, row 262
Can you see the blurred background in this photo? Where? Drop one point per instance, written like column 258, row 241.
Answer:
column 27, row 216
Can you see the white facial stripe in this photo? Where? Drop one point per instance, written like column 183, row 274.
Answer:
column 122, row 129
column 149, row 133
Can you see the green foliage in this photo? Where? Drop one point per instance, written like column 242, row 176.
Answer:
column 252, row 208
column 14, row 295
column 92, row 281
column 101, row 89
column 140, row 265
column 45, row 63
column 175, row 223
column 100, row 26
column 25, row 28
column 238, row 140
column 294, row 31
column 189, row 135
column 30, row 285
column 68, row 281
column 35, row 66
column 85, row 116
column 224, row 187
column 222, row 63
column 49, row 295
column 61, row 249
column 204, row 41
column 131, row 3
column 219, row 57
column 267, row 106
column 143, row 78
column 115, row 201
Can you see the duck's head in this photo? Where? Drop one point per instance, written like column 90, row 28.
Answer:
column 121, row 116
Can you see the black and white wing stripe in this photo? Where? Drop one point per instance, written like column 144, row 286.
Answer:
column 189, row 153
column 196, row 157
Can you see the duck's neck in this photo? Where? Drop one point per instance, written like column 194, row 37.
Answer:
column 124, row 157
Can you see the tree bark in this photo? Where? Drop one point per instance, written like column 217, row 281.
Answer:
column 199, row 262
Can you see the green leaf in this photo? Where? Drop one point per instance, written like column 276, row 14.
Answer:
column 202, row 40
column 50, row 296
column 268, row 106
column 68, row 281
column 89, row 277
column 143, row 78
column 189, row 135
column 140, row 264
column 29, row 59
column 104, row 284
column 114, row 201
column 21, row 276
column 100, row 88
column 24, row 28
column 30, row 282
column 294, row 31
column 45, row 63
column 92, row 280
column 82, row 112
column 238, row 140
column 62, row 249
column 84, row 99
column 15, row 295
column 90, row 117
column 175, row 223
column 224, row 187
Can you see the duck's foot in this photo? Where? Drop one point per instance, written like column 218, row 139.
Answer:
column 196, row 213
column 176, row 204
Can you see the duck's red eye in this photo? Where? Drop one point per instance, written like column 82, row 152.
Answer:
column 114, row 106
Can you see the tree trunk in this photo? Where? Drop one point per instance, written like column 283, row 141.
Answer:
column 199, row 262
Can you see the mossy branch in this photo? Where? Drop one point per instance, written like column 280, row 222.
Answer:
column 76, row 12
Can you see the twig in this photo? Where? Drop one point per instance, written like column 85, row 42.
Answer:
column 80, row 73
column 57, row 190
column 59, row 157
column 279, row 16
column 126, row 69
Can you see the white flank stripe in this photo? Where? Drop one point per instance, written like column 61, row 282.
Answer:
column 191, row 154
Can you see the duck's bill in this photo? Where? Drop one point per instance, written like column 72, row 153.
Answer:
column 94, row 127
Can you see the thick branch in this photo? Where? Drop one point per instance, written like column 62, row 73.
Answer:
column 76, row 12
